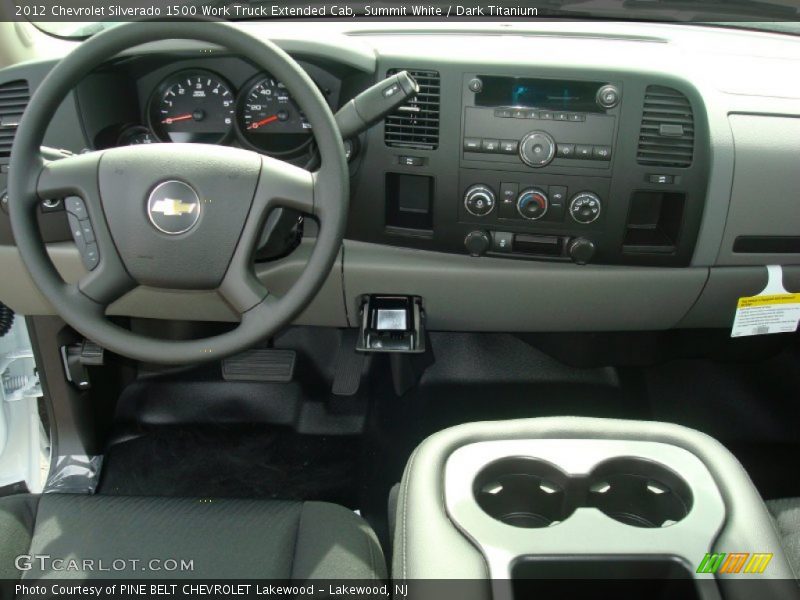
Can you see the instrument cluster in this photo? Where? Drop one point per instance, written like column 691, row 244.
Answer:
column 201, row 106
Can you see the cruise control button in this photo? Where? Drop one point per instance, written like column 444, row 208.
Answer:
column 75, row 206
column 566, row 151
column 88, row 232
column 76, row 230
column 582, row 151
column 508, row 146
column 91, row 256
column 490, row 145
column 601, row 152
column 472, row 144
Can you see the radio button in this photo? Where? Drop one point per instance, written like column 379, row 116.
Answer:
column 501, row 241
column 503, row 113
column 577, row 117
column 561, row 116
column 537, row 149
column 601, row 152
column 519, row 114
column 490, row 145
column 547, row 115
column 566, row 151
column 509, row 146
column 472, row 144
column 583, row 152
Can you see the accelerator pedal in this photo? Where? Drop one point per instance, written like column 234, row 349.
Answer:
column 269, row 364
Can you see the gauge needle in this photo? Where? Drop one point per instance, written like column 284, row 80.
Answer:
column 171, row 120
column 263, row 122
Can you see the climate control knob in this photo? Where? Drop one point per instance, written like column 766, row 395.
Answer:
column 537, row 149
column 479, row 200
column 585, row 207
column 532, row 204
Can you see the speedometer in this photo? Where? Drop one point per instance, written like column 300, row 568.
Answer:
column 193, row 106
column 269, row 119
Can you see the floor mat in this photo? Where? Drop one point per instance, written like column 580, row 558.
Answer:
column 234, row 462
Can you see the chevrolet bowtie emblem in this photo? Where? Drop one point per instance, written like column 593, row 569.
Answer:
column 169, row 207
column 173, row 207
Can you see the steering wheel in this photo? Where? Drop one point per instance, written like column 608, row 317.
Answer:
column 176, row 216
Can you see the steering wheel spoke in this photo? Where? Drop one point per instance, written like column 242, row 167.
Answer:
column 282, row 184
column 72, row 176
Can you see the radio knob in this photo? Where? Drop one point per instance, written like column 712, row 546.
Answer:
column 537, row 149
column 532, row 204
column 585, row 207
column 479, row 200
column 477, row 243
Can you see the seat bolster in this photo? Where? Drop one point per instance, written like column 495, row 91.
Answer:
column 335, row 543
column 787, row 516
column 17, row 520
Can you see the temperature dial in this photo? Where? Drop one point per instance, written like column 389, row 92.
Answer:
column 532, row 204
column 479, row 200
column 585, row 208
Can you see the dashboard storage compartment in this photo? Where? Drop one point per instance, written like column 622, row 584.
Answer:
column 524, row 492
column 391, row 324
column 654, row 222
column 639, row 492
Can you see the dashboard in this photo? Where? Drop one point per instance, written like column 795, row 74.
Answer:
column 633, row 171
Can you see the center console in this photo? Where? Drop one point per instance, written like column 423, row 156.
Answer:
column 537, row 164
column 561, row 505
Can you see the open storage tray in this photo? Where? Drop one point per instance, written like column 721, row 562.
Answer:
column 565, row 499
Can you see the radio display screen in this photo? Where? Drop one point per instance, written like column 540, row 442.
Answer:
column 551, row 94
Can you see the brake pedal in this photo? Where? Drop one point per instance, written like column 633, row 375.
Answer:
column 269, row 365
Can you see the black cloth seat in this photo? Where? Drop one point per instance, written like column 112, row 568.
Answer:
column 223, row 539
column 786, row 512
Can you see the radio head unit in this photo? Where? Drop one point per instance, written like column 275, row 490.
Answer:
column 554, row 94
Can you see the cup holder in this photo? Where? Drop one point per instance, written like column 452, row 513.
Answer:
column 523, row 492
column 639, row 492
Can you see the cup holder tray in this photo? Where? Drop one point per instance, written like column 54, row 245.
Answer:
column 558, row 497
column 529, row 492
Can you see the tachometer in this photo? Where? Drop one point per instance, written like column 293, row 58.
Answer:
column 269, row 119
column 193, row 106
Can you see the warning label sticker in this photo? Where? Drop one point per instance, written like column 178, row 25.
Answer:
column 772, row 311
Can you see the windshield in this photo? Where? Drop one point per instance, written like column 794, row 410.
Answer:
column 769, row 15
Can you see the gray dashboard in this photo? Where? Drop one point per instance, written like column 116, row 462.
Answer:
column 741, row 208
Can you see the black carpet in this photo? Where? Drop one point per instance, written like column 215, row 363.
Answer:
column 233, row 462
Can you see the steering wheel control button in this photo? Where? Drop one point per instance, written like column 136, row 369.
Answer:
column 585, row 208
column 537, row 149
column 479, row 200
column 75, row 206
column 76, row 230
column 91, row 256
column 532, row 204
column 173, row 207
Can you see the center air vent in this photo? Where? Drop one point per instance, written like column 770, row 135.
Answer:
column 14, row 98
column 667, row 135
column 416, row 123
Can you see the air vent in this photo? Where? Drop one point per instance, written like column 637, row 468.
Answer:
column 416, row 123
column 14, row 98
column 667, row 135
